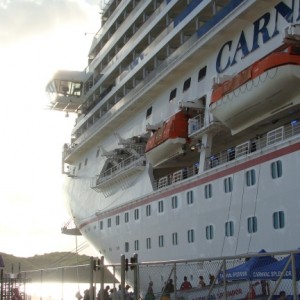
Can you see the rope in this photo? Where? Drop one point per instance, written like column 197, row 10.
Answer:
column 239, row 227
column 255, row 204
column 229, row 208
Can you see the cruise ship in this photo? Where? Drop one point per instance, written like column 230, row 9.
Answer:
column 186, row 142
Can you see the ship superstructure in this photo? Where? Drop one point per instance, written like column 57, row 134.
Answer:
column 186, row 142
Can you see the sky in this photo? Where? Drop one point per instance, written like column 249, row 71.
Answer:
column 37, row 38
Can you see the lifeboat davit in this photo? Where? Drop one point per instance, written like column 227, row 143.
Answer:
column 168, row 140
column 265, row 88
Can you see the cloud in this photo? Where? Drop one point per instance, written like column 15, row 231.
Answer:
column 37, row 38
column 20, row 19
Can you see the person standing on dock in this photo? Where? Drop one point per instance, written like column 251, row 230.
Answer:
column 186, row 285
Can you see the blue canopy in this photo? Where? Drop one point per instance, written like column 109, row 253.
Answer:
column 273, row 271
column 244, row 270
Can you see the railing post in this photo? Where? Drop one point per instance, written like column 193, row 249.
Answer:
column 41, row 297
column 294, row 277
column 62, row 283
column 102, row 269
column 123, row 276
column 136, row 277
column 279, row 279
column 175, row 281
column 91, row 293
column 1, row 282
column 224, row 278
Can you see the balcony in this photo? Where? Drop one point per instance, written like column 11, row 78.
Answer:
column 235, row 154
column 65, row 91
column 120, row 176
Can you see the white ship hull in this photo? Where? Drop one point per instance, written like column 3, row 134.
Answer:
column 232, row 188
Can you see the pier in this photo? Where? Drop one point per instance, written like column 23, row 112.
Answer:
column 262, row 275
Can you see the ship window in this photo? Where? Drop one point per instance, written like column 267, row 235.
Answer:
column 202, row 74
column 117, row 220
column 276, row 169
column 101, row 225
column 160, row 206
column 136, row 245
column 160, row 241
column 187, row 84
column 148, row 243
column 190, row 197
column 126, row 217
column 190, row 236
column 228, row 185
column 136, row 214
column 250, row 177
column 97, row 153
column 86, row 161
column 109, row 222
column 229, row 228
column 126, row 247
column 175, row 238
column 252, row 224
column 208, row 191
column 174, row 202
column 209, row 231
column 172, row 94
column 148, row 210
column 278, row 220
column 149, row 112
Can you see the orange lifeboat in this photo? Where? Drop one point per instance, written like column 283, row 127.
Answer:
column 252, row 95
column 275, row 59
column 167, row 141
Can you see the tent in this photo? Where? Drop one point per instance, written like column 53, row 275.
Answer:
column 244, row 270
column 273, row 271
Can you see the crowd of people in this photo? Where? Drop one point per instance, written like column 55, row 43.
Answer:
column 107, row 294
column 114, row 294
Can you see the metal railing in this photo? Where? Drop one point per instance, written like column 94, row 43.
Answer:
column 271, row 138
column 233, row 153
column 260, row 275
column 163, row 67
column 130, row 162
column 175, row 177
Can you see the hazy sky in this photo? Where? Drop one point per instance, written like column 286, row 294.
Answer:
column 37, row 37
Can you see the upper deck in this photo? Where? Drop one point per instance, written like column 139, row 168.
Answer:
column 141, row 48
column 65, row 91
column 170, row 35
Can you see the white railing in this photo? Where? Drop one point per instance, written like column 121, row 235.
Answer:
column 130, row 162
column 177, row 176
column 234, row 153
column 198, row 122
column 271, row 138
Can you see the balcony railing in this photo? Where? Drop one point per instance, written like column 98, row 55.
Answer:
column 163, row 67
column 234, row 153
column 124, row 169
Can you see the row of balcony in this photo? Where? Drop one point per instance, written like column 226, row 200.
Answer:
column 146, row 69
column 235, row 153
